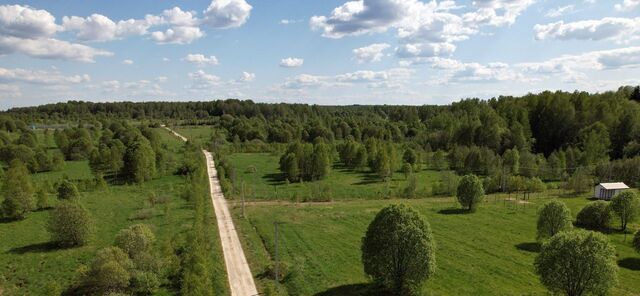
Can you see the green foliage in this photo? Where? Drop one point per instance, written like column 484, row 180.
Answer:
column 304, row 161
column 580, row 181
column 139, row 161
column 626, row 206
column 470, row 192
column 135, row 240
column 67, row 190
column 511, row 159
column 553, row 217
column 412, row 187
column 70, row 224
column 447, row 185
column 42, row 199
column 398, row 251
column 110, row 271
column 577, row 263
column 595, row 215
column 636, row 241
column 407, row 170
column 17, row 190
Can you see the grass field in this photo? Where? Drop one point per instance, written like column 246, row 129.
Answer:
column 29, row 263
column 267, row 184
column 198, row 134
column 489, row 252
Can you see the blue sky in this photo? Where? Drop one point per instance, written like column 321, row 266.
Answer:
column 319, row 52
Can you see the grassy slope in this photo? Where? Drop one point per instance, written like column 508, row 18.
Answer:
column 484, row 253
column 265, row 184
column 29, row 263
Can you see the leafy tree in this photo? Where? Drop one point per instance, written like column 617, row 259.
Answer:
column 398, row 251
column 42, row 199
column 70, row 224
column 580, row 181
column 412, row 186
column 577, row 263
column 18, row 192
column 139, row 161
column 110, row 271
column 595, row 143
column 67, row 190
column 135, row 240
column 470, row 192
column 626, row 206
column 553, row 217
column 595, row 215
column 407, row 170
column 321, row 161
column 289, row 166
column 636, row 241
column 512, row 161
column 439, row 161
column 411, row 157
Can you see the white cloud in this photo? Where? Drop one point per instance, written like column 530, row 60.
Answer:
column 618, row 29
column 627, row 5
column 165, row 59
column 291, row 62
column 288, row 22
column 49, row 48
column 127, row 62
column 203, row 80
column 162, row 79
column 223, row 14
column 247, row 77
column 177, row 35
column 304, row 81
column 10, row 90
column 488, row 11
column 559, row 11
column 370, row 53
column 40, row 77
column 26, row 22
column 391, row 78
column 425, row 50
column 178, row 17
column 97, row 27
column 201, row 60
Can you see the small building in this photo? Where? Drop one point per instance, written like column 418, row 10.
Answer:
column 608, row 190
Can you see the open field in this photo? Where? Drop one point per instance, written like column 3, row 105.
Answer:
column 484, row 253
column 198, row 134
column 267, row 184
column 30, row 263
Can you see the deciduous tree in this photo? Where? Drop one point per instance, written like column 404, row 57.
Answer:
column 553, row 217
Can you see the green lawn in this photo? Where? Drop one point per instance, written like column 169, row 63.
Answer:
column 29, row 263
column 490, row 252
column 267, row 184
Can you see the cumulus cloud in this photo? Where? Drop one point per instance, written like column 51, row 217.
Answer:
column 100, row 28
column 291, row 62
column 559, row 11
column 425, row 50
column 30, row 32
column 304, row 81
column 201, row 60
column 618, row 29
column 178, row 17
column 391, row 78
column 627, row 5
column 127, row 62
column 203, row 80
column 40, row 77
column 225, row 14
column 287, row 21
column 370, row 53
column 177, row 35
column 247, row 77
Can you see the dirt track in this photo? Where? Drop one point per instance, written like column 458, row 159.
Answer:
column 238, row 271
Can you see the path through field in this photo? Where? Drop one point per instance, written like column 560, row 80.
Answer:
column 238, row 271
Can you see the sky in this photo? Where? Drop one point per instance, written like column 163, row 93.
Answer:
column 328, row 52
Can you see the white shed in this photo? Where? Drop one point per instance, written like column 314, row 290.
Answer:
column 608, row 190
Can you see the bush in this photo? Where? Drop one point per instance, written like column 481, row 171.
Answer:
column 69, row 224
column 67, row 190
column 595, row 215
column 135, row 240
column 18, row 192
column 110, row 271
column 470, row 192
column 42, row 199
column 588, row 252
column 636, row 241
column 398, row 251
column 144, row 282
column 626, row 206
column 553, row 218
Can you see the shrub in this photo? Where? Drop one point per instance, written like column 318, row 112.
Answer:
column 553, row 218
column 397, row 233
column 18, row 192
column 626, row 206
column 588, row 252
column 595, row 215
column 69, row 224
column 42, row 199
column 110, row 271
column 67, row 190
column 470, row 192
column 144, row 282
column 135, row 240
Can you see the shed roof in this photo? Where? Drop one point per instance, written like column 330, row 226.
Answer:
column 613, row 186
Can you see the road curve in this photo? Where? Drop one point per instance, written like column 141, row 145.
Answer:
column 238, row 271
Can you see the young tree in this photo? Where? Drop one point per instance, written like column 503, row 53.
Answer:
column 42, row 199
column 407, row 170
column 321, row 161
column 135, row 240
column 139, row 161
column 398, row 251
column 511, row 160
column 577, row 263
column 67, row 190
column 470, row 192
column 553, row 218
column 18, row 192
column 289, row 166
column 110, row 271
column 411, row 157
column 595, row 215
column 626, row 206
column 70, row 224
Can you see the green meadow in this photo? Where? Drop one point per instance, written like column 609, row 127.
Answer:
column 490, row 252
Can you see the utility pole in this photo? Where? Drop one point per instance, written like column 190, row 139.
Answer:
column 243, row 216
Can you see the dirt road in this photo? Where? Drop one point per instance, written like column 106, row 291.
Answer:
column 240, row 277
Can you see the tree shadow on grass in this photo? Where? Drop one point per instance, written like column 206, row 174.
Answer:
column 274, row 178
column 353, row 290
column 533, row 247
column 368, row 178
column 36, row 248
column 453, row 211
column 630, row 263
